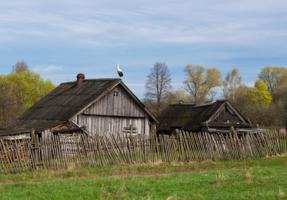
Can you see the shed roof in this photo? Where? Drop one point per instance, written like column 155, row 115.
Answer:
column 65, row 102
column 190, row 117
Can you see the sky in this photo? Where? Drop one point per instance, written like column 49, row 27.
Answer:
column 59, row 39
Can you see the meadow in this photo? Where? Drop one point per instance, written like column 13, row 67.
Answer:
column 264, row 178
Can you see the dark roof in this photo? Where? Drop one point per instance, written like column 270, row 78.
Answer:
column 190, row 117
column 66, row 101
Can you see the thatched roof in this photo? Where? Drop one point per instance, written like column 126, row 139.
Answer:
column 65, row 102
column 192, row 117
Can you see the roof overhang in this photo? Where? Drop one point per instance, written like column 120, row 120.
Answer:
column 239, row 130
column 215, row 125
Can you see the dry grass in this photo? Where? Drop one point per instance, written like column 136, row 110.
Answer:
column 207, row 161
column 281, row 194
column 248, row 174
column 71, row 166
column 172, row 198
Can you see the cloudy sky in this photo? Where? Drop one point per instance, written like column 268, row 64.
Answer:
column 60, row 39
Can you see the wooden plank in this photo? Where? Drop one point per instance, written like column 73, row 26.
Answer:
column 182, row 156
column 18, row 156
column 13, row 159
column 114, row 155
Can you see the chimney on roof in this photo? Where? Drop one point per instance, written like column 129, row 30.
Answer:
column 80, row 78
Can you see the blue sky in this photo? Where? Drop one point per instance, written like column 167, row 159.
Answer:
column 60, row 39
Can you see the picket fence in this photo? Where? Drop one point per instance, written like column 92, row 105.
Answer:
column 61, row 151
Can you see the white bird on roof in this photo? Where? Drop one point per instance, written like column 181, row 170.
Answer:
column 119, row 71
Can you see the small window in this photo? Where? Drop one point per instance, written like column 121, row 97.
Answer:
column 115, row 93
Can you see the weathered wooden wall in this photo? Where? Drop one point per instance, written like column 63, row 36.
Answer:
column 112, row 113
column 226, row 114
column 121, row 105
column 97, row 124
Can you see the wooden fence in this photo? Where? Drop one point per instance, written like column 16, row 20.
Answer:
column 62, row 151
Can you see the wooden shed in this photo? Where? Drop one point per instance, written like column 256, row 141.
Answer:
column 213, row 117
column 90, row 106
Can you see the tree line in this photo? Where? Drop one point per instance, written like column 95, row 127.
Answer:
column 264, row 104
column 19, row 90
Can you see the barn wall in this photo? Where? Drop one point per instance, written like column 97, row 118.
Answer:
column 112, row 113
column 121, row 105
column 100, row 124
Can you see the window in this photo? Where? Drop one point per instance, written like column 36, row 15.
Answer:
column 115, row 93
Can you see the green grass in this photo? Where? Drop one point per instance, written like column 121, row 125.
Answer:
column 251, row 183
column 142, row 169
column 260, row 179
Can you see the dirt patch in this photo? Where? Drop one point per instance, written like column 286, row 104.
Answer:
column 71, row 166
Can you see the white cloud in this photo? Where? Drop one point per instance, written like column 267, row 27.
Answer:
column 37, row 68
column 46, row 68
column 52, row 68
column 112, row 23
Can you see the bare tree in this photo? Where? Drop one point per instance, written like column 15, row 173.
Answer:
column 20, row 67
column 158, row 87
column 212, row 95
column 232, row 84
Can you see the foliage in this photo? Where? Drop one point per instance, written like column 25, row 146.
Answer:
column 158, row 87
column 200, row 81
column 260, row 94
column 179, row 95
column 279, row 105
column 273, row 76
column 9, row 106
column 254, row 103
column 19, row 91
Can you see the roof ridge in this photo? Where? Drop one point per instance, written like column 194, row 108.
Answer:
column 98, row 79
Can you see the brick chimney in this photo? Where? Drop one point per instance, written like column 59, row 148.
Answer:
column 80, row 78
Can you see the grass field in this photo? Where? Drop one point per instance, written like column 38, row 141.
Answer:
column 252, row 179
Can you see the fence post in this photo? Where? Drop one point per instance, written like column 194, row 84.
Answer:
column 33, row 148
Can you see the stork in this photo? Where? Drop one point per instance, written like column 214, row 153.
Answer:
column 119, row 71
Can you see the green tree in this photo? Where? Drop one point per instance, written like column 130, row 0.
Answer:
column 260, row 93
column 273, row 76
column 19, row 91
column 9, row 106
column 200, row 81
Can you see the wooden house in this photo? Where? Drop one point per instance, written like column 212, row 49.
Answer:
column 86, row 106
column 213, row 117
